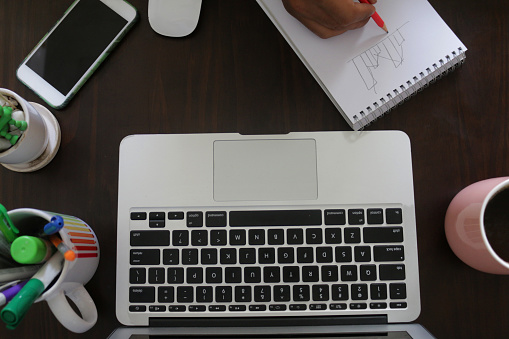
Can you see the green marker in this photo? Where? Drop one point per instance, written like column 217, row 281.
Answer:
column 6, row 226
column 30, row 250
column 15, row 310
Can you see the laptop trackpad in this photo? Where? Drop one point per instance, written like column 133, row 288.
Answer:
column 265, row 170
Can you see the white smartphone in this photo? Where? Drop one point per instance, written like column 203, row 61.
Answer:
column 70, row 52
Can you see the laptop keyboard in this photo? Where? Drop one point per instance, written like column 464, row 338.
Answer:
column 238, row 262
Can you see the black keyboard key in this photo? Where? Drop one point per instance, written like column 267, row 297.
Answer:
column 165, row 294
column 310, row 273
column 298, row 307
column 214, row 275
column 281, row 293
column 257, row 308
column 156, row 216
column 305, row 255
column 156, row 224
column 224, row 294
column 217, row 308
column 266, row 255
column 237, row 308
column 378, row 306
column 199, row 238
column 218, row 237
column 340, row 292
column 190, row 256
column 257, row 237
column 343, row 253
column 277, row 307
column 175, row 275
column 194, row 275
column 194, row 219
column 320, row 292
column 358, row 306
column 335, row 217
column 276, row 237
column 359, row 292
column 285, row 255
column 177, row 308
column 176, row 215
column 324, row 254
column 333, row 235
column 237, row 237
column 394, row 215
column 137, row 308
column 330, row 273
column 398, row 305
column 180, row 237
column 150, row 238
column 233, row 275
column 348, row 273
column 392, row 272
column 276, row 218
column 362, row 253
column 157, row 308
column 228, row 256
column 209, row 256
column 243, row 293
column 262, row 293
column 375, row 216
column 291, row 274
column 271, row 274
column 215, row 219
column 252, row 274
column 156, row 275
column 197, row 308
column 204, row 294
column 378, row 291
column 338, row 306
column 318, row 307
column 138, row 215
column 383, row 234
column 389, row 253
column 368, row 272
column 142, row 294
column 356, row 216
column 352, row 235
column 314, row 236
column 145, row 257
column 171, row 256
column 185, row 294
column 294, row 236
column 137, row 275
column 397, row 291
column 247, row 255
column 301, row 293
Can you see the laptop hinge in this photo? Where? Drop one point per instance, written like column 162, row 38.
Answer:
column 267, row 321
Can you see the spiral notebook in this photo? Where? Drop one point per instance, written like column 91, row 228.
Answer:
column 367, row 72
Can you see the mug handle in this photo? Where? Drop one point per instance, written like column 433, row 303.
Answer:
column 60, row 307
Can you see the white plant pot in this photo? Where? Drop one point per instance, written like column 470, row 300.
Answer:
column 38, row 144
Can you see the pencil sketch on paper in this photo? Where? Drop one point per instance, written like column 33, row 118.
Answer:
column 386, row 53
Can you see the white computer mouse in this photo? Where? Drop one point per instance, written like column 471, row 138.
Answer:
column 174, row 18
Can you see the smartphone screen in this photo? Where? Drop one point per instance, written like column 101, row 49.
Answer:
column 66, row 56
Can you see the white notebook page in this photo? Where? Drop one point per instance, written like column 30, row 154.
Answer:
column 360, row 67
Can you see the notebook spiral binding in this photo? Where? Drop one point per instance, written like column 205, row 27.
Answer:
column 411, row 87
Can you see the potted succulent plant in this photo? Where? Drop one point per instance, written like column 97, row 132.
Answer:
column 29, row 133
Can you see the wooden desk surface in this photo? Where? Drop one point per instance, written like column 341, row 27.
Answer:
column 236, row 73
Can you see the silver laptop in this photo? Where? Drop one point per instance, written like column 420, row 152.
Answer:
column 311, row 232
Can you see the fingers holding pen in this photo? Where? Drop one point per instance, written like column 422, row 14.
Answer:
column 328, row 18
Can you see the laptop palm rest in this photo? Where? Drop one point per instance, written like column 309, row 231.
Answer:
column 265, row 170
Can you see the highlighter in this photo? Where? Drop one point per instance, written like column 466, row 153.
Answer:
column 15, row 310
column 30, row 250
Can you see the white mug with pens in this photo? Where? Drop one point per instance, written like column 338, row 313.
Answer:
column 72, row 265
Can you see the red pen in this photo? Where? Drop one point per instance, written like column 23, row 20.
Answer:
column 377, row 18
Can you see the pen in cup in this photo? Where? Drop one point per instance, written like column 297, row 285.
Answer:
column 16, row 309
column 8, row 229
column 62, row 248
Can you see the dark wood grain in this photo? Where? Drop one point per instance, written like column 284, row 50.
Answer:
column 236, row 73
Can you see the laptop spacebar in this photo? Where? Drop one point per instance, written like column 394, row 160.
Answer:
column 276, row 218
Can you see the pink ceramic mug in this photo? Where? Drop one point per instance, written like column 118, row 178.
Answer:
column 465, row 227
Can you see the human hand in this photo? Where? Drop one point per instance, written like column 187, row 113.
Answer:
column 328, row 18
